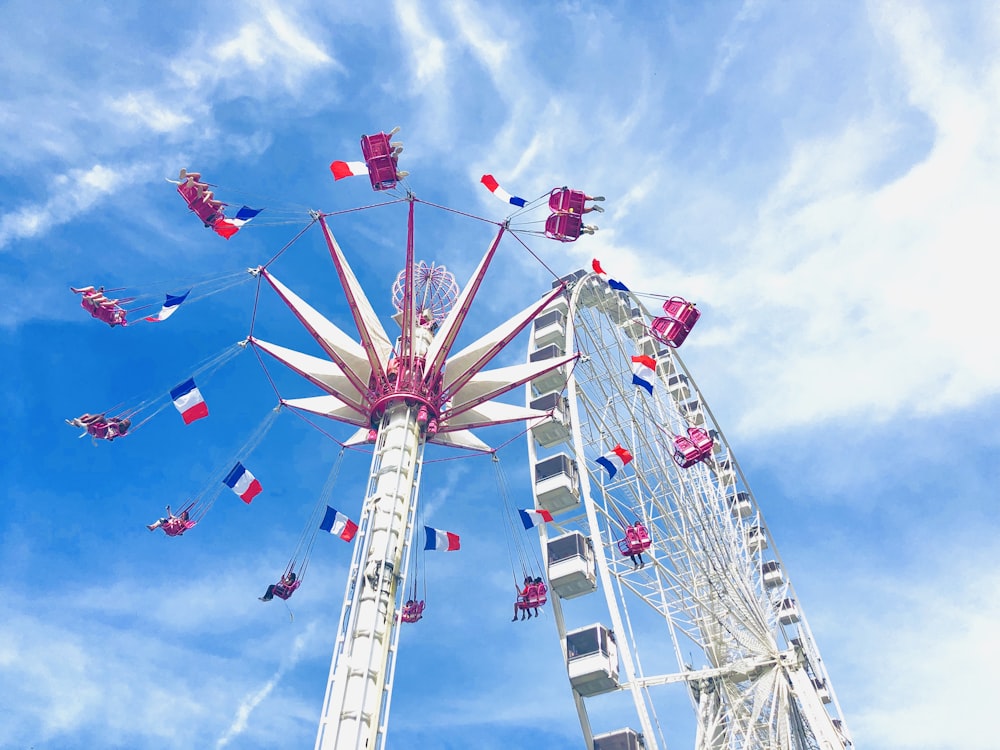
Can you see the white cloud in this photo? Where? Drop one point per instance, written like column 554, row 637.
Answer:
column 732, row 43
column 428, row 50
column 72, row 193
column 253, row 700
column 855, row 293
column 928, row 657
column 142, row 109
column 272, row 47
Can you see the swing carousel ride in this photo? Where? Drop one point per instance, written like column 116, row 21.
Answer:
column 642, row 513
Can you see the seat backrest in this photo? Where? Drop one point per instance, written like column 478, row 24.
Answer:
column 375, row 145
column 542, row 594
column 564, row 200
column 642, row 535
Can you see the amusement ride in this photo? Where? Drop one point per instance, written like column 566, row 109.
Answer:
column 643, row 514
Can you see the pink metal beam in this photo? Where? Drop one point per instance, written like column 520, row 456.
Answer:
column 406, row 346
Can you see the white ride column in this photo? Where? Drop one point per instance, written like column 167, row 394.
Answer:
column 355, row 701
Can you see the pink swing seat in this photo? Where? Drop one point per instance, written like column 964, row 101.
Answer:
column 113, row 316
column 208, row 214
column 686, row 453
column 536, row 597
column 176, row 526
column 412, row 611
column 635, row 542
column 701, row 440
column 564, row 200
column 564, row 227
column 379, row 160
column 283, row 589
column 680, row 318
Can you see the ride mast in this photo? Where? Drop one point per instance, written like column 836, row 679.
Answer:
column 400, row 398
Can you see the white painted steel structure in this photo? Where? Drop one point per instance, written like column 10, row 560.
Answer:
column 712, row 608
column 400, row 397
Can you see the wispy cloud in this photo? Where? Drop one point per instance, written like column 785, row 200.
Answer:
column 71, row 194
column 732, row 43
column 934, row 642
column 250, row 702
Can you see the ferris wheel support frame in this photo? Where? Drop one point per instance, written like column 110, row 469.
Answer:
column 727, row 694
column 603, row 570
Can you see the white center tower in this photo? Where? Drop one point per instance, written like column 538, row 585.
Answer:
column 358, row 688
column 401, row 398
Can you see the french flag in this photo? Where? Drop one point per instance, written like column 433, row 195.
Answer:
column 243, row 483
column 616, row 285
column 342, row 169
column 531, row 518
column 614, row 460
column 227, row 227
column 494, row 187
column 189, row 402
column 338, row 524
column 644, row 372
column 224, row 228
column 441, row 540
column 169, row 307
column 244, row 215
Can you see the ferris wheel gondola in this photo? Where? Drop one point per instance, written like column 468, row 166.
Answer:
column 713, row 592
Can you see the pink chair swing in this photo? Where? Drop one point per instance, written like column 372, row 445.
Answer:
column 680, row 318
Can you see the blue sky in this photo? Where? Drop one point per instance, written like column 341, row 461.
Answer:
column 821, row 178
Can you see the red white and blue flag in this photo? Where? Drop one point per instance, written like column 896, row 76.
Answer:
column 616, row 285
column 342, row 169
column 494, row 187
column 644, row 372
column 243, row 483
column 189, row 402
column 338, row 524
column 441, row 540
column 169, row 307
column 531, row 517
column 614, row 460
column 228, row 226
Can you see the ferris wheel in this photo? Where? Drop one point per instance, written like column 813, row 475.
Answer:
column 667, row 550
